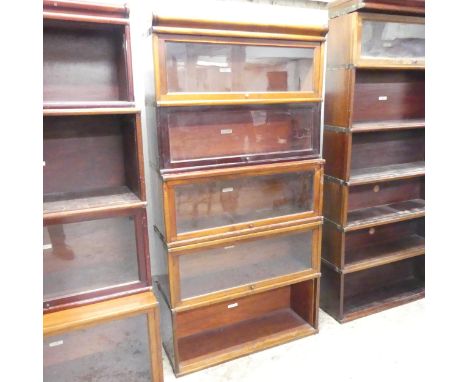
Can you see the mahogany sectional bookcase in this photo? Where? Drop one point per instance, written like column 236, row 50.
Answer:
column 238, row 179
column 97, row 297
column 373, row 240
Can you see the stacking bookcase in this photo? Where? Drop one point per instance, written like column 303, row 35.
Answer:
column 96, row 253
column 373, row 240
column 238, row 178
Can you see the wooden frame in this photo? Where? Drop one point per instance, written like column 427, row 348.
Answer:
column 92, row 16
column 165, row 98
column 348, row 52
column 101, row 313
column 171, row 181
column 241, row 334
column 275, row 154
column 111, row 291
column 136, row 189
column 171, row 284
column 409, row 7
column 335, row 286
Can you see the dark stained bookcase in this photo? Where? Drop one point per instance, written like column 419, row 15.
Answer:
column 373, row 235
column 95, row 252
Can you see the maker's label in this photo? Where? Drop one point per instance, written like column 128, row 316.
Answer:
column 56, row 343
column 383, row 98
column 226, row 131
column 235, row 305
column 227, row 189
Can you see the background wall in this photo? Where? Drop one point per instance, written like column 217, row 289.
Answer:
column 141, row 21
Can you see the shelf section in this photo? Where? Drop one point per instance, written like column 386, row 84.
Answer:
column 364, row 127
column 214, row 346
column 383, row 298
column 63, row 203
column 387, row 213
column 390, row 172
column 384, row 253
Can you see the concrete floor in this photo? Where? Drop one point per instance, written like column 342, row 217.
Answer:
column 386, row 346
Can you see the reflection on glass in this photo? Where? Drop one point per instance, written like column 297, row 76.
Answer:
column 231, row 201
column 116, row 351
column 84, row 256
column 197, row 67
column 220, row 268
column 223, row 132
column 392, row 40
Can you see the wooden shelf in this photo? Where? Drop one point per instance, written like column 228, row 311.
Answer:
column 384, row 253
column 390, row 172
column 90, row 111
column 383, row 298
column 364, row 127
column 64, row 203
column 54, row 105
column 384, row 214
column 213, row 346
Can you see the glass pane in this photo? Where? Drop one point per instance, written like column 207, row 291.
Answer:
column 382, row 39
column 227, row 201
column 197, row 67
column 224, row 132
column 117, row 351
column 210, row 270
column 88, row 255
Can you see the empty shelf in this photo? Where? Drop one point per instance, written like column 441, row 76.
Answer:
column 384, row 253
column 388, row 125
column 387, row 213
column 383, row 298
column 210, row 346
column 72, row 201
column 395, row 171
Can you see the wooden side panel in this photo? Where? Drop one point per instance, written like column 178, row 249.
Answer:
column 338, row 97
column 339, row 41
column 336, row 153
column 304, row 300
column 332, row 244
column 334, row 202
column 331, row 292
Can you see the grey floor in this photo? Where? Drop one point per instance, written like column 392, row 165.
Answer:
column 382, row 347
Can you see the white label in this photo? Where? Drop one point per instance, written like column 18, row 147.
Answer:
column 47, row 246
column 383, row 98
column 235, row 305
column 229, row 247
column 43, row 163
column 225, row 70
column 56, row 343
column 226, row 131
column 227, row 189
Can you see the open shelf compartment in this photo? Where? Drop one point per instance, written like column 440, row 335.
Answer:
column 86, row 64
column 386, row 155
column 92, row 161
column 216, row 333
column 375, row 288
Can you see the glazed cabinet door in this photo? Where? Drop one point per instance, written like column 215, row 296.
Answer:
column 204, row 136
column 94, row 259
column 207, row 70
column 117, row 350
column 388, row 40
column 222, row 202
column 236, row 266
